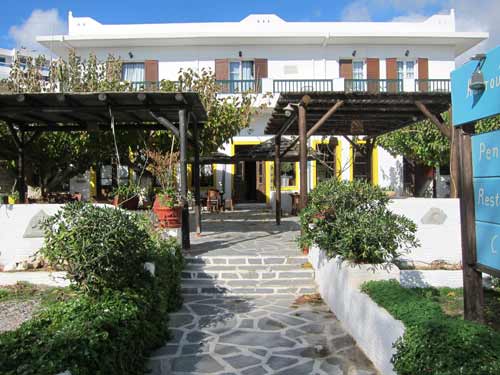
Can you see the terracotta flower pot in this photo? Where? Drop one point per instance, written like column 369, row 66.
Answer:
column 169, row 217
column 305, row 250
column 127, row 204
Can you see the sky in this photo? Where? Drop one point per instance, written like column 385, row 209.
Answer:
column 22, row 20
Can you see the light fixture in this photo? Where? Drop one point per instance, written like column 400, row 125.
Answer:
column 288, row 110
column 477, row 81
column 179, row 97
column 354, row 53
column 131, row 55
column 407, row 53
column 240, row 54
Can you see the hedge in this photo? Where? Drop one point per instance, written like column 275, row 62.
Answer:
column 435, row 343
column 110, row 332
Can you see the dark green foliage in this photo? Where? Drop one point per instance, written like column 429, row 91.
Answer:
column 435, row 343
column 98, row 247
column 124, row 192
column 109, row 332
column 351, row 220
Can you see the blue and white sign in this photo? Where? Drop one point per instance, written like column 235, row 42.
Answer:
column 469, row 105
column 486, row 173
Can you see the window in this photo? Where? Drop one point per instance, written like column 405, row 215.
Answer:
column 325, row 165
column 357, row 70
column 206, row 175
column 133, row 72
column 361, row 165
column 107, row 175
column 288, row 175
column 2, row 59
column 241, row 76
column 406, row 69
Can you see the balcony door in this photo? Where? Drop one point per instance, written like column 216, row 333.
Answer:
column 241, row 76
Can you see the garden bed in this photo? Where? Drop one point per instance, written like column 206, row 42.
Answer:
column 437, row 340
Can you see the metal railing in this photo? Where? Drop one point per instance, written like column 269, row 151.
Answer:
column 229, row 86
column 164, row 85
column 432, row 85
column 373, row 85
column 301, row 85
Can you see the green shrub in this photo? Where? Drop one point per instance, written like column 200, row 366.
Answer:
column 351, row 220
column 107, row 331
column 98, row 247
column 434, row 343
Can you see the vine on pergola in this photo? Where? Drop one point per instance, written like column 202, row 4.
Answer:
column 227, row 116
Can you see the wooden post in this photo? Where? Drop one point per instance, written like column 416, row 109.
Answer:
column 277, row 178
column 183, row 169
column 303, row 155
column 454, row 160
column 196, row 180
column 21, row 170
column 473, row 281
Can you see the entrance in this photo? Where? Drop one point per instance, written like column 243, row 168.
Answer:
column 249, row 179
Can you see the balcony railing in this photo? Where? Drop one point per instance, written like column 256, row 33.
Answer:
column 373, row 85
column 301, row 85
column 239, row 86
column 432, row 85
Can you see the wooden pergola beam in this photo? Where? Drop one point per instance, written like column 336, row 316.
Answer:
column 438, row 121
column 183, row 178
column 277, row 178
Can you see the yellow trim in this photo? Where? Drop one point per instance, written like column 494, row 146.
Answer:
column 233, row 166
column 374, row 163
column 93, row 183
column 270, row 177
column 338, row 158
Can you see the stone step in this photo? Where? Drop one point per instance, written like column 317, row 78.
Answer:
column 256, row 273
column 242, row 260
column 248, row 287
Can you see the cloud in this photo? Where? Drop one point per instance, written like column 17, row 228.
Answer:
column 412, row 17
column 40, row 22
column 356, row 11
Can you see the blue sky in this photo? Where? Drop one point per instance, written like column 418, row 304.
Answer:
column 22, row 20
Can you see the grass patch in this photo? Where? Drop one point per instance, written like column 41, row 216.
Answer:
column 22, row 291
column 437, row 340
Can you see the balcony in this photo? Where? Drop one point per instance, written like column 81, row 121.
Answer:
column 276, row 86
column 432, row 85
column 239, row 86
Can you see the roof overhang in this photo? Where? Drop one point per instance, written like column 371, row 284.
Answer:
column 462, row 41
column 373, row 114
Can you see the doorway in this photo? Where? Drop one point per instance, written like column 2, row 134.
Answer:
column 249, row 178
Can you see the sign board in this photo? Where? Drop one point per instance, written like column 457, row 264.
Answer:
column 470, row 105
column 486, row 174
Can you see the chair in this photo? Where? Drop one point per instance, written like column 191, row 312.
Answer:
column 213, row 200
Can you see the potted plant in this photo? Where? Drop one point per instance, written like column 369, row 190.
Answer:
column 126, row 196
column 167, row 204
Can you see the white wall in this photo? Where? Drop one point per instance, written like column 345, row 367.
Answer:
column 438, row 241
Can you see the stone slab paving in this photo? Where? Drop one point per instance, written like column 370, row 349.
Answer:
column 245, row 232
column 256, row 336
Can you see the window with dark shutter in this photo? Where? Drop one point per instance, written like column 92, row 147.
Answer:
column 423, row 74
column 222, row 69
column 391, row 68
column 373, row 74
column 151, row 75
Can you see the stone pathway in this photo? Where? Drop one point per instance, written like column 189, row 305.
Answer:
column 241, row 313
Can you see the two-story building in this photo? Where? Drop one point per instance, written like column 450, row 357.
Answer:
column 265, row 54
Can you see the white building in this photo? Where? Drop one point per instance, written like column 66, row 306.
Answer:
column 265, row 54
column 7, row 57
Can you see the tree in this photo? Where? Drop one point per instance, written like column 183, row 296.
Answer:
column 423, row 143
column 59, row 156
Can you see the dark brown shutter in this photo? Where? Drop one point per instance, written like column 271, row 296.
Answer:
column 373, row 73
column 345, row 69
column 222, row 69
column 261, row 71
column 391, row 68
column 423, row 74
column 151, row 75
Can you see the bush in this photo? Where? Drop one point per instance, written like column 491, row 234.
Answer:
column 98, row 247
column 351, row 220
column 434, row 343
column 107, row 331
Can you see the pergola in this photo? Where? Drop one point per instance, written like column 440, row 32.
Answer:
column 27, row 115
column 346, row 114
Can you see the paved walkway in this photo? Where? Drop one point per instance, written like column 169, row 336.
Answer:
column 258, row 334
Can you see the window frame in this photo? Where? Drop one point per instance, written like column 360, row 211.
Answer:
column 404, row 74
column 240, row 71
column 143, row 63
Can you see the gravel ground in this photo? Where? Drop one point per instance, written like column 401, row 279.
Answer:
column 14, row 313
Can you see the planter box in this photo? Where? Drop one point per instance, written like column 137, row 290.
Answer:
column 373, row 328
